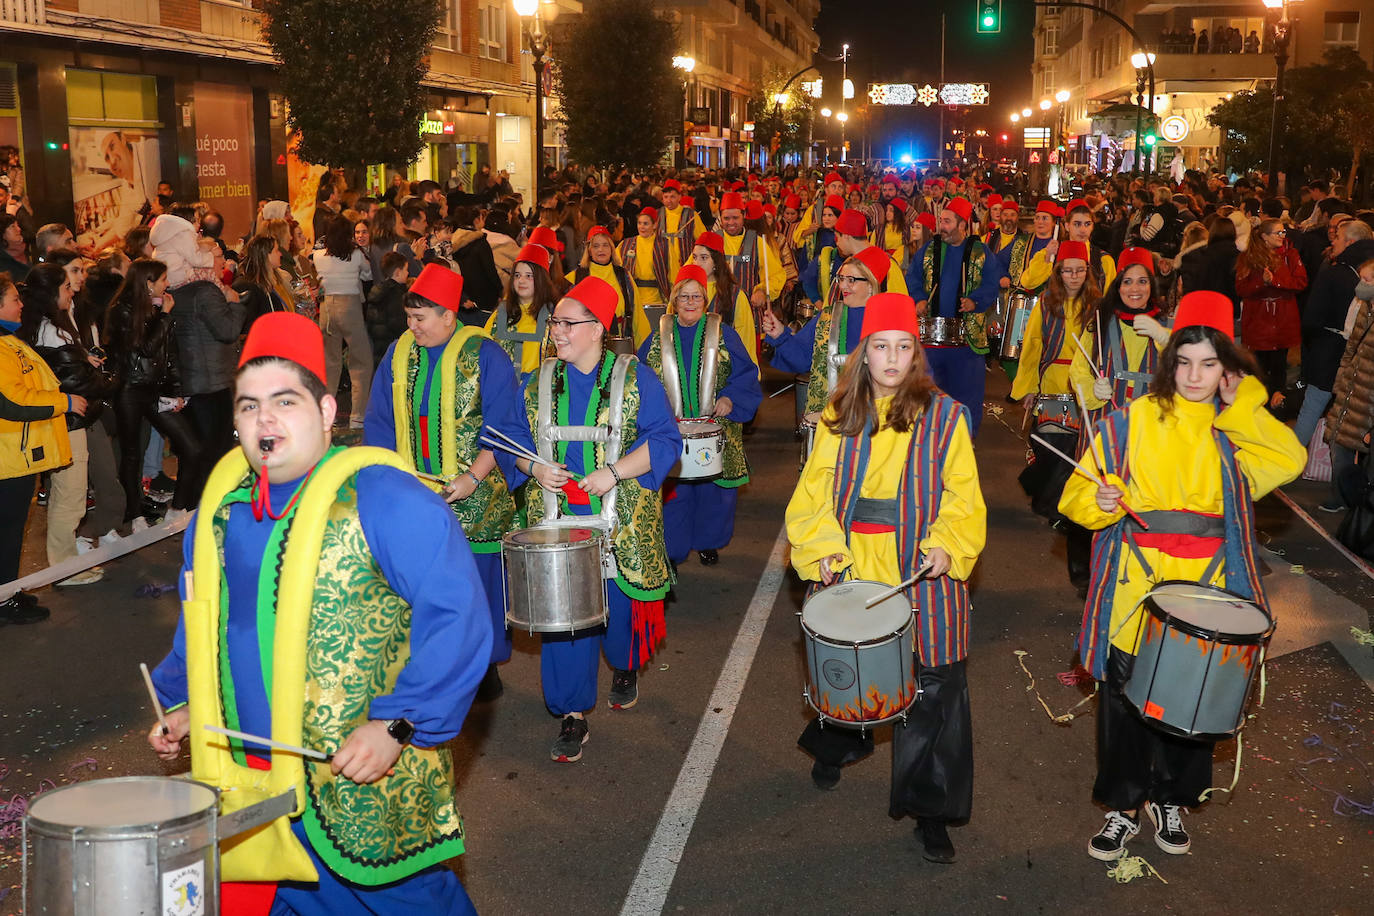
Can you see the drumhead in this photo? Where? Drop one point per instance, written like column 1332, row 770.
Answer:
column 551, row 535
column 127, row 802
column 838, row 612
column 1210, row 608
column 698, row 428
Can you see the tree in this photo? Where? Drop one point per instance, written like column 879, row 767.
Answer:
column 351, row 72
column 790, row 123
column 613, row 72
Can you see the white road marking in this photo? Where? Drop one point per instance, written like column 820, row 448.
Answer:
column 649, row 893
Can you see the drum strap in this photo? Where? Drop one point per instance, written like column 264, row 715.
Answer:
column 876, row 511
column 503, row 330
column 1184, row 520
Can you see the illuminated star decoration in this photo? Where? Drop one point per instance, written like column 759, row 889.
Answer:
column 927, row 95
column 892, row 93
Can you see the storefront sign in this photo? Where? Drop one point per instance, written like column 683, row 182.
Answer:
column 224, row 153
column 1174, row 129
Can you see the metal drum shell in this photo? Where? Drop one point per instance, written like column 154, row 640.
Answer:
column 700, row 459
column 554, row 585
column 807, row 432
column 1019, row 306
column 941, row 332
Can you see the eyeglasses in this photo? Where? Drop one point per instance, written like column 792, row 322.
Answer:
column 697, row 298
column 1282, row 232
column 1072, row 271
column 563, row 324
column 846, row 279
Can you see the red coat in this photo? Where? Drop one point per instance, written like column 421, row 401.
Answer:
column 1269, row 317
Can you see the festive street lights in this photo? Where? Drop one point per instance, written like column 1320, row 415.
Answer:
column 1144, row 64
column 1281, row 29
column 686, row 64
column 538, row 16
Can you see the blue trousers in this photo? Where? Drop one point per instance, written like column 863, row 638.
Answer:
column 489, row 571
column 436, row 891
column 569, row 663
column 700, row 516
column 961, row 374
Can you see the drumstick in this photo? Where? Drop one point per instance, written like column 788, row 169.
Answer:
column 515, row 448
column 782, row 389
column 432, row 477
column 1081, row 349
column 529, row 456
column 507, row 439
column 1078, row 466
column 920, row 574
column 277, row 745
column 152, row 695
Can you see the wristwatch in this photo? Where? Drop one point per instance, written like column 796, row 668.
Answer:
column 401, row 730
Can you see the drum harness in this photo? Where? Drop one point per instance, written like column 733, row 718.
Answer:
column 710, row 356
column 504, row 330
column 1117, row 344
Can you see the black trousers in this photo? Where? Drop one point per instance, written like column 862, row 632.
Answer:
column 1273, row 368
column 932, row 753
column 1043, row 481
column 212, row 417
column 135, row 405
column 1137, row 762
column 15, row 495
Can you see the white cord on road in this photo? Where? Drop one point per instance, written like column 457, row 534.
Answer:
column 1360, row 564
column 649, row 892
column 94, row 557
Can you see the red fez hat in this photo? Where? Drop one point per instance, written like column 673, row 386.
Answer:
column 927, row 219
column 672, row 184
column 793, row 201
column 598, row 230
column 889, row 312
column 855, row 187
column 1071, row 249
column 1050, row 207
column 872, row 187
column 834, row 176
column 441, row 286
column 537, row 255
column 1075, row 204
column 877, row 261
column 543, row 235
column 1204, row 308
column 960, row 207
column 909, row 175
column 286, row 335
column 891, row 178
column 985, row 187
column 753, row 210
column 852, row 222
column 994, row 199
column 737, row 186
column 1132, row 256
column 770, row 209
column 691, row 272
column 650, row 212
column 899, row 204
column 598, row 296
column 711, row 240
column 731, row 200
column 835, row 202
column 1009, row 204
column 957, row 182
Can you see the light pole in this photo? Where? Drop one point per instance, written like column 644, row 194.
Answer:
column 846, row 92
column 686, row 64
column 1281, row 29
column 537, row 20
column 1045, row 105
column 1144, row 64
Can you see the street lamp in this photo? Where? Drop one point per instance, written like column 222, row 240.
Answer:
column 1015, row 117
column 1144, row 67
column 686, row 64
column 537, row 17
column 1045, row 104
column 842, row 117
column 1281, row 29
column 826, row 112
column 1026, row 112
column 846, row 92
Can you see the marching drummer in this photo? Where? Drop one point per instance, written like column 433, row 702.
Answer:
column 1189, row 458
column 647, row 260
column 519, row 323
column 441, row 383
column 679, row 223
column 1019, row 252
column 1078, row 226
column 598, row 260
column 703, row 359
column 339, row 564
column 892, row 487
column 1042, row 385
column 584, row 384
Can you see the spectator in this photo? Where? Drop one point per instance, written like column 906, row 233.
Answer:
column 1252, row 42
column 1190, row 261
column 261, row 283
column 207, row 324
column 326, row 205
column 1268, row 277
column 1352, row 411
column 49, row 238
column 476, row 262
column 33, row 439
column 1203, row 42
column 386, row 313
column 342, row 268
column 495, row 225
column 1218, row 262
column 14, row 253
column 138, row 244
column 187, row 256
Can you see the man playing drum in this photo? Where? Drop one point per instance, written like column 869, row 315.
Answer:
column 707, row 372
column 1189, row 459
column 439, row 385
column 892, row 488
column 331, row 602
column 1017, row 255
column 588, row 386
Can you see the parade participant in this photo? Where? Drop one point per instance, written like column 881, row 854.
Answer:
column 586, row 386
column 834, row 187
column 548, row 239
column 822, row 236
column 992, row 216
column 758, row 272
column 851, row 237
column 338, row 565
column 1017, row 256
column 1078, row 224
column 957, row 278
column 647, row 259
column 724, row 295
column 440, row 383
column 890, row 487
column 598, row 260
column 882, row 215
column 1006, row 232
column 1190, row 457
column 707, row 371
column 519, row 323
column 1042, row 386
column 678, row 222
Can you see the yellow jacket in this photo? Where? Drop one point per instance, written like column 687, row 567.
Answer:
column 771, row 275
column 33, row 423
column 531, row 352
column 744, row 320
column 1038, row 267
column 1056, row 379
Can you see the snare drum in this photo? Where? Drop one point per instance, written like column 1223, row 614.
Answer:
column 554, row 579
column 1199, row 649
column 807, row 432
column 1057, row 411
column 860, row 662
column 941, row 332
column 703, row 450
column 1019, row 306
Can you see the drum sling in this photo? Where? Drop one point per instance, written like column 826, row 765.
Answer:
column 1179, row 533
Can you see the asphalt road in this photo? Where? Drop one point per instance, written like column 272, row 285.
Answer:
column 759, row 838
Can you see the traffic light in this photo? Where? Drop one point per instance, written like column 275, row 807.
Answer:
column 989, row 16
column 1151, row 139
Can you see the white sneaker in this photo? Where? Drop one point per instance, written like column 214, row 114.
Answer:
column 110, row 537
column 87, row 577
column 84, row 545
column 140, row 523
column 174, row 515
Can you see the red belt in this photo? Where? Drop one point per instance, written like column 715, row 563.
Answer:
column 871, row 528
column 1062, row 362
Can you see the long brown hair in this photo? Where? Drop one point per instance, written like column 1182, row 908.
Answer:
column 1258, row 256
column 853, row 400
column 1057, row 294
column 1232, row 356
column 545, row 297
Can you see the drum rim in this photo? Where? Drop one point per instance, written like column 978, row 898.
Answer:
column 594, row 538
column 1216, row 636
column 1177, row 732
column 862, row 643
column 122, row 831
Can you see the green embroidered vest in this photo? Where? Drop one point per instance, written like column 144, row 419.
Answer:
column 975, row 323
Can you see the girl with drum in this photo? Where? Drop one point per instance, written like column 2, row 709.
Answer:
column 708, row 373
column 892, row 488
column 1189, row 459
column 591, row 387
column 598, row 260
column 1042, row 386
column 647, row 260
column 724, row 297
column 519, row 323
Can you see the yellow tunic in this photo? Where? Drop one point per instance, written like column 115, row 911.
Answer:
column 1174, row 465
column 815, row 533
column 530, row 352
column 892, row 240
column 771, row 275
column 1037, row 272
column 605, row 272
column 672, row 219
column 1056, row 380
column 1082, row 376
column 744, row 320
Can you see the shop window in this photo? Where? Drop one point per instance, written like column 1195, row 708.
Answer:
column 450, row 32
column 492, row 42
column 1341, row 29
column 127, row 98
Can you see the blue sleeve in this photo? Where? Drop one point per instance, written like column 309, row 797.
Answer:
column 742, row 388
column 169, row 677
column 916, row 275
column 643, row 353
column 503, row 406
column 658, row 427
column 990, row 284
column 422, row 552
column 811, row 280
column 379, row 423
column 792, row 350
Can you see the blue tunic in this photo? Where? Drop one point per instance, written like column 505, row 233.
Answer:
column 951, row 285
column 793, row 350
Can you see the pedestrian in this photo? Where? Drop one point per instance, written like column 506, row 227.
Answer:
column 520, row 323
column 1217, row 268
column 1351, row 418
column 476, row 262
column 891, row 487
column 1193, row 456
column 261, row 283
column 14, row 250
column 385, row 309
column 207, row 324
column 1269, row 275
column 342, row 269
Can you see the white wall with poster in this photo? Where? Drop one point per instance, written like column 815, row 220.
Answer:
column 224, row 154
column 114, row 179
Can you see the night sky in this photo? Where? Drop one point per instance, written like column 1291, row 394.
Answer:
column 898, row 41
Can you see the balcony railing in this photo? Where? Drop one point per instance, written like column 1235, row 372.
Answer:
column 26, row 12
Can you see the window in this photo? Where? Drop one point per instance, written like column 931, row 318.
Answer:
column 1341, row 29
column 491, row 44
column 450, row 30
column 1047, row 76
column 1051, row 40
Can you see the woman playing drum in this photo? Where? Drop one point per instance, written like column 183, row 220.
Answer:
column 585, row 382
column 1189, row 458
column 518, row 323
column 891, row 488
column 723, row 295
column 706, row 356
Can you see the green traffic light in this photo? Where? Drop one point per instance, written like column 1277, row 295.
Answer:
column 989, row 20
column 1151, row 139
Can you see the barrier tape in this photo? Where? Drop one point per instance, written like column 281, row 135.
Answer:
column 102, row 553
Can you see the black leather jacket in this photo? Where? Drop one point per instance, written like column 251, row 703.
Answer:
column 154, row 363
column 76, row 375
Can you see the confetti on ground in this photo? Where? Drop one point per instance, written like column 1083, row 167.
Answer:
column 1363, row 637
column 153, row 590
column 1128, row 868
column 1297, row 569
column 1060, row 719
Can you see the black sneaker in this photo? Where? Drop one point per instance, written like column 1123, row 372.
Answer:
column 1109, row 843
column 624, row 689
column 490, row 687
column 1169, row 833
column 14, row 610
column 825, row 776
column 25, row 599
column 935, row 841
column 571, row 737
column 708, row 557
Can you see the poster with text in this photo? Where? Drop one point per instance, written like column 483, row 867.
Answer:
column 114, row 180
column 224, row 155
